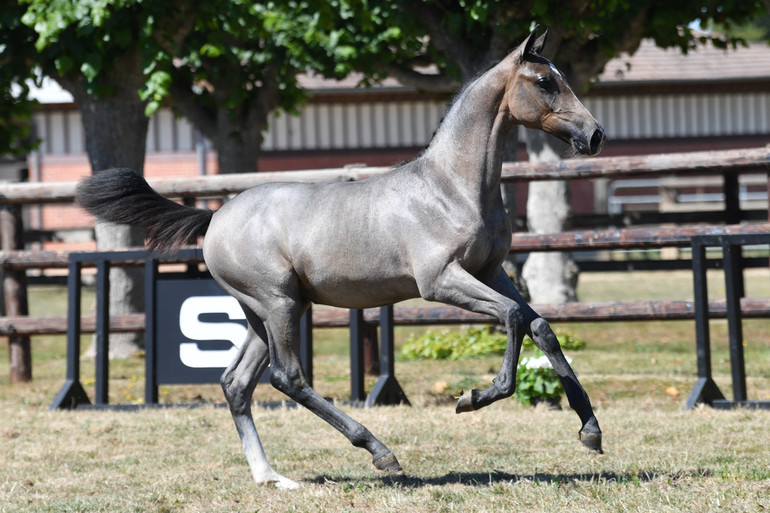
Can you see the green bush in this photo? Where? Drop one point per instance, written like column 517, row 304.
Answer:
column 472, row 342
column 570, row 342
column 537, row 381
column 454, row 345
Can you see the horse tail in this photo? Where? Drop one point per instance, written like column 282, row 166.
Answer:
column 122, row 196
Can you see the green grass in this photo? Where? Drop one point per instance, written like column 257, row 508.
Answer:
column 505, row 457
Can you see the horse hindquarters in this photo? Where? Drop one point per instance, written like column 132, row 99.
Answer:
column 271, row 301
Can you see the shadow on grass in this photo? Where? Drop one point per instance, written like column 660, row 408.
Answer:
column 495, row 477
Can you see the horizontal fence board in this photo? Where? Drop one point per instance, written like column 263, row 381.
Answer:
column 588, row 240
column 627, row 238
column 331, row 317
column 690, row 163
column 58, row 325
column 698, row 163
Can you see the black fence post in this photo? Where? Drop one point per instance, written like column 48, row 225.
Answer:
column 731, row 255
column 306, row 344
column 387, row 390
column 150, row 347
column 705, row 389
column 102, row 331
column 356, row 356
column 71, row 393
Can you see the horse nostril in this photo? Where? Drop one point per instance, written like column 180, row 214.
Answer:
column 597, row 140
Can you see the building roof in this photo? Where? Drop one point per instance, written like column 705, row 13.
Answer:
column 653, row 64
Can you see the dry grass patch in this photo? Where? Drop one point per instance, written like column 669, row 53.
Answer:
column 507, row 457
column 504, row 457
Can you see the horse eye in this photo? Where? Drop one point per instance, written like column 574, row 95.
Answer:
column 548, row 85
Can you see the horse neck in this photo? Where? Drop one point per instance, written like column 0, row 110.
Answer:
column 467, row 149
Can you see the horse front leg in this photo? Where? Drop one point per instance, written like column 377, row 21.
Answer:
column 457, row 287
column 545, row 339
column 504, row 385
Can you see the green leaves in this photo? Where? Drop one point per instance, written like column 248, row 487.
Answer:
column 537, row 381
column 472, row 342
column 155, row 90
column 454, row 345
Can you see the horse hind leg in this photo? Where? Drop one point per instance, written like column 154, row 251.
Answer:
column 288, row 377
column 238, row 383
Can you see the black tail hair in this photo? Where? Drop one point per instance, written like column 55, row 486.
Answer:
column 121, row 196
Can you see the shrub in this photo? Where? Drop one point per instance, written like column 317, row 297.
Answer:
column 454, row 345
column 472, row 342
column 537, row 381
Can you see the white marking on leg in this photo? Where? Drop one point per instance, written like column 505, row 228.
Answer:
column 261, row 469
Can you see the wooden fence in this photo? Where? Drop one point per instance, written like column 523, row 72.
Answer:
column 15, row 261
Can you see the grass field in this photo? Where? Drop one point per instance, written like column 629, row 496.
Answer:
column 505, row 457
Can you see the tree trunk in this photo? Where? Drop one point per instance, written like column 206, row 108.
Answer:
column 115, row 127
column 237, row 144
column 550, row 277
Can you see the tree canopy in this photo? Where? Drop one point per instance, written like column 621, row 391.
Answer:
column 436, row 45
column 16, row 107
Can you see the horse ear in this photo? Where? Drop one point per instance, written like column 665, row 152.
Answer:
column 537, row 48
column 528, row 44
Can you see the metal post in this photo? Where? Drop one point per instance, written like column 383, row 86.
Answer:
column 102, row 331
column 387, row 364
column 733, row 215
column 702, row 328
column 733, row 279
column 387, row 390
column 306, row 344
column 71, row 393
column 705, row 389
column 150, row 347
column 732, row 194
column 356, row 356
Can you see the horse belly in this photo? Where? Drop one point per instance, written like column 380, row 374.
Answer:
column 359, row 293
column 350, row 277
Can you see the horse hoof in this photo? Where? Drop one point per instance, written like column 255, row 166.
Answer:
column 388, row 463
column 465, row 402
column 285, row 483
column 592, row 440
column 276, row 480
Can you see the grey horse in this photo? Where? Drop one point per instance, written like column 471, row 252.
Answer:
column 434, row 228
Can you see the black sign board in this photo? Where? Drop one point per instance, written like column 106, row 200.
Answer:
column 199, row 329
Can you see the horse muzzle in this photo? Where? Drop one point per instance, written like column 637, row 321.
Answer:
column 590, row 145
column 597, row 141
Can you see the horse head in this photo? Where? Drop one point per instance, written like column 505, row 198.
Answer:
column 538, row 96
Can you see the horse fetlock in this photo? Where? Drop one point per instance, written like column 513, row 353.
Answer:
column 359, row 436
column 505, row 384
column 277, row 480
